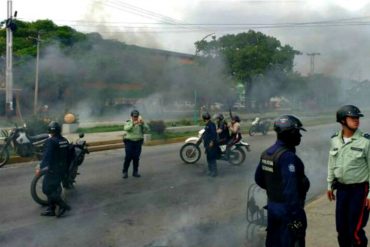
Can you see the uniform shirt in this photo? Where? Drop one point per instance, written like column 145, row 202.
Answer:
column 55, row 153
column 135, row 132
column 210, row 134
column 294, row 182
column 349, row 162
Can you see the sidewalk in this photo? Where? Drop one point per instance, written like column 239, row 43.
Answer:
column 321, row 223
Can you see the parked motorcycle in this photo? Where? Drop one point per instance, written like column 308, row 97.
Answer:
column 23, row 144
column 76, row 158
column 190, row 152
column 259, row 125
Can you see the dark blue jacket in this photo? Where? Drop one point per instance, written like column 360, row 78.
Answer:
column 210, row 134
column 55, row 154
column 294, row 182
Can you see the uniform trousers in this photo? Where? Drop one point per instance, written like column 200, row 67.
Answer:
column 133, row 152
column 351, row 214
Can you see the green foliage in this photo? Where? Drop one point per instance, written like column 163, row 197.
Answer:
column 157, row 126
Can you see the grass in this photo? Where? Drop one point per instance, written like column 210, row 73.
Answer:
column 309, row 121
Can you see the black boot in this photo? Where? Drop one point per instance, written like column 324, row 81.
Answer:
column 125, row 175
column 48, row 212
column 136, row 175
column 63, row 207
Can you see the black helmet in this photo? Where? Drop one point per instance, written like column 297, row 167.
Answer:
column 54, row 128
column 135, row 113
column 218, row 116
column 286, row 123
column 206, row 116
column 235, row 118
column 348, row 111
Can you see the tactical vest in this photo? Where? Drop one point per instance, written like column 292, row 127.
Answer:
column 272, row 175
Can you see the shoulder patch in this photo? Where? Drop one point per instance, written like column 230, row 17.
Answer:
column 291, row 168
column 367, row 136
column 335, row 134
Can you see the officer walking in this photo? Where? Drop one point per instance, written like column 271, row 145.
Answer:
column 349, row 174
column 54, row 162
column 135, row 129
column 281, row 173
column 210, row 144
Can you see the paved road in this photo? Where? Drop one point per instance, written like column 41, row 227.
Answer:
column 171, row 205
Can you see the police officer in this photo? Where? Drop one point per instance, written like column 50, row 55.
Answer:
column 222, row 129
column 54, row 162
column 135, row 129
column 281, row 173
column 210, row 144
column 349, row 174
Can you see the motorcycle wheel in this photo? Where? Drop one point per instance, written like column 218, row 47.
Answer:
column 252, row 131
column 190, row 153
column 36, row 190
column 4, row 155
column 237, row 156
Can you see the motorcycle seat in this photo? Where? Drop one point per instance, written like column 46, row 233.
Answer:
column 39, row 137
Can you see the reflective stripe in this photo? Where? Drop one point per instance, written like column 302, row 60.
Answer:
column 360, row 221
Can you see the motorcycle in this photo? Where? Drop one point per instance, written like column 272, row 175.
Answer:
column 23, row 144
column 190, row 152
column 78, row 150
column 259, row 125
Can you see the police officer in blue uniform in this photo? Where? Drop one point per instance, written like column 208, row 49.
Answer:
column 54, row 162
column 210, row 144
column 349, row 175
column 281, row 173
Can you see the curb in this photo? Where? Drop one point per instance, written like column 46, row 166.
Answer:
column 102, row 146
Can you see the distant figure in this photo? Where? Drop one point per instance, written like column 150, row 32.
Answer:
column 135, row 129
column 349, row 174
column 281, row 173
column 54, row 161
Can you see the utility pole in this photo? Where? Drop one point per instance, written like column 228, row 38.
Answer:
column 312, row 61
column 10, row 27
column 38, row 40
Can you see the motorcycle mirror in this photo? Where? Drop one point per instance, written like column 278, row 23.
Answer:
column 81, row 135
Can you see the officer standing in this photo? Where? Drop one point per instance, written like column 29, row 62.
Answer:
column 210, row 144
column 54, row 163
column 281, row 173
column 135, row 129
column 348, row 174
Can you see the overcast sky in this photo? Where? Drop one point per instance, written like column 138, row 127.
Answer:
column 337, row 29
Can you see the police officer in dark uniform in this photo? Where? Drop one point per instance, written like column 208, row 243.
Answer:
column 222, row 129
column 281, row 173
column 210, row 144
column 54, row 162
column 349, row 175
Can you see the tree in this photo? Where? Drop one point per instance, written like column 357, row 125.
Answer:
column 249, row 55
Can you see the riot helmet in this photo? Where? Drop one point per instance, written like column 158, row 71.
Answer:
column 348, row 111
column 218, row 116
column 287, row 128
column 54, row 128
column 287, row 123
column 206, row 116
column 135, row 113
